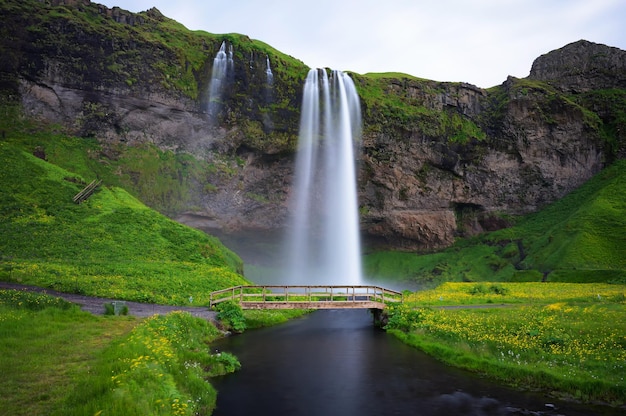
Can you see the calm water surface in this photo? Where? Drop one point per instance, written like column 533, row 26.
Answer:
column 336, row 363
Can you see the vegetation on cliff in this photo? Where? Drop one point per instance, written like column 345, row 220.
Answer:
column 392, row 101
column 609, row 105
column 579, row 238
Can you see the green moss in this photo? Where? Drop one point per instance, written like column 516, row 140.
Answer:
column 387, row 101
column 607, row 112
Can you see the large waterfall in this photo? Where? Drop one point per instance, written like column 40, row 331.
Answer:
column 223, row 65
column 324, row 244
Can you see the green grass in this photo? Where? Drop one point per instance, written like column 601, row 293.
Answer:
column 44, row 344
column 58, row 360
column 579, row 238
column 110, row 245
column 567, row 339
column 164, row 180
column 159, row 368
column 454, row 293
column 264, row 318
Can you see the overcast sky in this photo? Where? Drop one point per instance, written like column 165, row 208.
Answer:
column 475, row 41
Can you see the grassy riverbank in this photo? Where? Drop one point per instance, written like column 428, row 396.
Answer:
column 58, row 360
column 566, row 339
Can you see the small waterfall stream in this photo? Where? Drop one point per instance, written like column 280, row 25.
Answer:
column 268, row 71
column 223, row 66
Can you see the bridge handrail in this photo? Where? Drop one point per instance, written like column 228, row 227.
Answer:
column 308, row 293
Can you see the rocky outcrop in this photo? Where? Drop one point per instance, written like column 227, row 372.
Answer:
column 582, row 66
column 438, row 160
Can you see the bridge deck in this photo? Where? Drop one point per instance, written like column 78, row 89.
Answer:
column 307, row 297
column 312, row 305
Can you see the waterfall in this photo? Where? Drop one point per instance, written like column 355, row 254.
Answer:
column 268, row 94
column 223, row 66
column 268, row 71
column 323, row 246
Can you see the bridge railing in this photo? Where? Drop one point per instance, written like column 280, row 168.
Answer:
column 308, row 293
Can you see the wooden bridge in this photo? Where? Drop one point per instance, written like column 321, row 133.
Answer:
column 307, row 297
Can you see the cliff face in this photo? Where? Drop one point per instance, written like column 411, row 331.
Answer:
column 426, row 189
column 438, row 160
column 130, row 77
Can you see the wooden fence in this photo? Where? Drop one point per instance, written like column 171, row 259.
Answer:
column 87, row 191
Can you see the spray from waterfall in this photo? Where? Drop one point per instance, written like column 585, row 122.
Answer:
column 223, row 66
column 323, row 246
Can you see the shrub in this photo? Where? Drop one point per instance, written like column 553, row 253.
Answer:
column 222, row 363
column 403, row 317
column 231, row 316
column 499, row 289
column 110, row 309
column 482, row 289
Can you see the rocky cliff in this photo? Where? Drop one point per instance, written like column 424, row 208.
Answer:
column 437, row 160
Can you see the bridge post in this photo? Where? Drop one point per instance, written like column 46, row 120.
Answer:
column 377, row 315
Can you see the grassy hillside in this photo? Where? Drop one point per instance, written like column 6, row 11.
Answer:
column 164, row 180
column 110, row 245
column 581, row 238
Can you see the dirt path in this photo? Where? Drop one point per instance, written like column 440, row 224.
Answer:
column 96, row 305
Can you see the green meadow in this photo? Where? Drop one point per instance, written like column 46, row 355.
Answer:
column 110, row 245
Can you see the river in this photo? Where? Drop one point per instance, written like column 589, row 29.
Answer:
column 335, row 362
